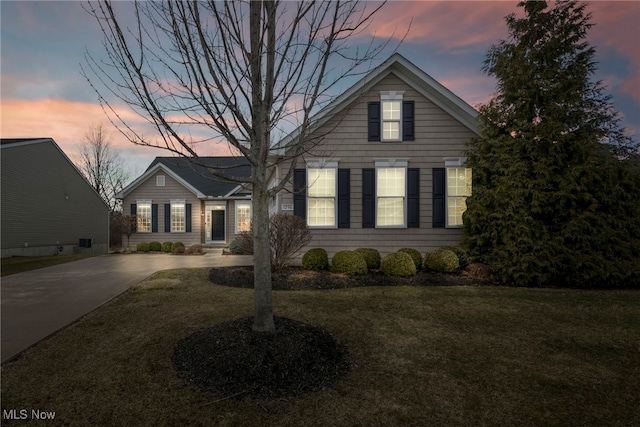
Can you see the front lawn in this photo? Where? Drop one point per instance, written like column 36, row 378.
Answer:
column 437, row 356
column 15, row 265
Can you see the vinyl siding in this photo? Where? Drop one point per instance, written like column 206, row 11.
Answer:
column 45, row 200
column 437, row 135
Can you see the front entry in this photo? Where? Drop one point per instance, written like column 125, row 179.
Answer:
column 217, row 226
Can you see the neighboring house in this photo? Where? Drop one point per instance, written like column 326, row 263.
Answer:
column 389, row 171
column 177, row 201
column 48, row 207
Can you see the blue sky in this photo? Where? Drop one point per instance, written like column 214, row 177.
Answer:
column 42, row 45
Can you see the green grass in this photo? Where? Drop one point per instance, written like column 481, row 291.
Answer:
column 440, row 356
column 21, row 264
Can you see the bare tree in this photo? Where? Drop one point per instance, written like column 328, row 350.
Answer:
column 239, row 73
column 102, row 166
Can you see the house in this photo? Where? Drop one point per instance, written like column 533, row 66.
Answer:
column 389, row 171
column 48, row 207
column 175, row 200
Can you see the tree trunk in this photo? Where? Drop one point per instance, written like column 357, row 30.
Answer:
column 262, row 295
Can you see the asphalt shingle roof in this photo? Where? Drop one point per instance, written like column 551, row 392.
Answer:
column 199, row 176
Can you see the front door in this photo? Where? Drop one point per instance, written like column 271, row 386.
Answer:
column 217, row 226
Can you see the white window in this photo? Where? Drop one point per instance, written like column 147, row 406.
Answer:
column 243, row 217
column 391, row 190
column 160, row 180
column 178, row 216
column 391, row 105
column 321, row 194
column 458, row 189
column 143, row 215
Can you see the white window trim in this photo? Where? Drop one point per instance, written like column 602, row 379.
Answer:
column 145, row 202
column 450, row 163
column 184, row 205
column 390, row 95
column 391, row 164
column 243, row 203
column 324, row 164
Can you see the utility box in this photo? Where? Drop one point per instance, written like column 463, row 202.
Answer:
column 85, row 243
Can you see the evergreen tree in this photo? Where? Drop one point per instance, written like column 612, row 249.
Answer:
column 556, row 198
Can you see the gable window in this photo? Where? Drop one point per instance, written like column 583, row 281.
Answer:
column 458, row 189
column 321, row 194
column 143, row 215
column 243, row 217
column 178, row 216
column 160, row 180
column 391, row 190
column 391, row 119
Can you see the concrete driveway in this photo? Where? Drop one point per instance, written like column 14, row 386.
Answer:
column 38, row 303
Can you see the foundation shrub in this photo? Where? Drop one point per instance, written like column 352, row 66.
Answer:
column 315, row 259
column 415, row 255
column 177, row 248
column 371, row 257
column 155, row 247
column 399, row 264
column 442, row 260
column 166, row 247
column 142, row 247
column 242, row 245
column 196, row 249
column 348, row 262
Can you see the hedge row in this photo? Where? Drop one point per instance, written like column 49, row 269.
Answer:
column 168, row 247
column 403, row 263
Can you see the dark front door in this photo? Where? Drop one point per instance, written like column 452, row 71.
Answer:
column 217, row 226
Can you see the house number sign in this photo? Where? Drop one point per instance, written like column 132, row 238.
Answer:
column 287, row 207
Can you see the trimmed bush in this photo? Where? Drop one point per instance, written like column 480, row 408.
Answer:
column 155, row 246
column 315, row 259
column 371, row 257
column 177, row 248
column 415, row 255
column 442, row 260
column 242, row 245
column 399, row 264
column 463, row 258
column 142, row 247
column 166, row 247
column 196, row 249
column 348, row 262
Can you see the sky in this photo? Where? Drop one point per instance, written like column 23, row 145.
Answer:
column 43, row 44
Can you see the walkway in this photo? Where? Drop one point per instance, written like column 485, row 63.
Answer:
column 38, row 303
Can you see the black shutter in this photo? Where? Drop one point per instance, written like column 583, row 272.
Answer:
column 413, row 198
column 368, row 198
column 439, row 183
column 300, row 193
column 187, row 217
column 344, row 198
column 134, row 209
column 167, row 218
column 154, row 218
column 374, row 121
column 408, row 119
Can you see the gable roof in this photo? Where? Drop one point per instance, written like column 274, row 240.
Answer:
column 196, row 177
column 408, row 72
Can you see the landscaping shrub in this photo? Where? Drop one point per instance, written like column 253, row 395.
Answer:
column 399, row 264
column 143, row 247
column 315, row 259
column 242, row 245
column 177, row 248
column 166, row 247
column 196, row 249
column 442, row 260
column 371, row 257
column 155, row 246
column 415, row 255
column 348, row 262
column 462, row 255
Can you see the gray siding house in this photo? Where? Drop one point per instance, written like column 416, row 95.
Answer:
column 388, row 169
column 47, row 205
column 177, row 201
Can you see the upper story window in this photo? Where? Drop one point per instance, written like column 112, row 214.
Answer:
column 160, row 180
column 143, row 214
column 392, row 118
column 321, row 194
